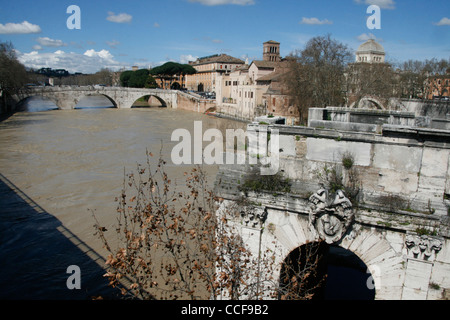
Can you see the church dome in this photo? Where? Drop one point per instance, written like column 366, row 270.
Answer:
column 371, row 46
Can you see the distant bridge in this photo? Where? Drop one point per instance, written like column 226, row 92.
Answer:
column 67, row 97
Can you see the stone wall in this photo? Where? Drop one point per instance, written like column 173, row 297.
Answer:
column 190, row 103
column 401, row 215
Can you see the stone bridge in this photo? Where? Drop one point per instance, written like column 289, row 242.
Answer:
column 67, row 97
column 397, row 224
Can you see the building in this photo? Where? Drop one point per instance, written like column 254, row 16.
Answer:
column 209, row 69
column 438, row 87
column 257, row 89
column 168, row 82
column 276, row 99
column 240, row 96
column 271, row 51
column 371, row 52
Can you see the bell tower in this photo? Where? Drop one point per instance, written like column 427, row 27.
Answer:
column 271, row 51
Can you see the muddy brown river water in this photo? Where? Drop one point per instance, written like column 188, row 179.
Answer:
column 56, row 166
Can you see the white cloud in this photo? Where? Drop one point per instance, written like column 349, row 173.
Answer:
column 224, row 2
column 367, row 36
column 104, row 54
column 443, row 22
column 184, row 59
column 47, row 42
column 119, row 18
column 315, row 21
column 383, row 4
column 19, row 28
column 89, row 62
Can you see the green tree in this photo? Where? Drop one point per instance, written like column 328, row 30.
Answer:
column 139, row 78
column 151, row 83
column 173, row 68
column 125, row 78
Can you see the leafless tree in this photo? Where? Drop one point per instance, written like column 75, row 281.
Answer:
column 301, row 279
column 13, row 75
column 172, row 243
column 317, row 74
column 420, row 79
column 377, row 80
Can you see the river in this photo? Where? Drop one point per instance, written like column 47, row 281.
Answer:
column 56, row 166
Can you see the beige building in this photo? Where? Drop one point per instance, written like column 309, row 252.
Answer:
column 239, row 96
column 256, row 89
column 209, row 69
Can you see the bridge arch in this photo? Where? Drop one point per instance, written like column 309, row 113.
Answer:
column 94, row 94
column 21, row 103
column 374, row 103
column 149, row 100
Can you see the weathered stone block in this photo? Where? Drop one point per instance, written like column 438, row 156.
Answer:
column 434, row 163
column 393, row 181
column 332, row 151
column 398, row 158
column 417, row 280
column 287, row 146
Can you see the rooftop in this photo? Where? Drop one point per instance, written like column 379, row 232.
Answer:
column 219, row 58
column 265, row 64
column 371, row 46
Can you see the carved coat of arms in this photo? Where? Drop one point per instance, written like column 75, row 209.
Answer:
column 330, row 215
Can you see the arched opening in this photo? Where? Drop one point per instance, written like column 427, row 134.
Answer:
column 317, row 271
column 303, row 273
column 149, row 101
column 348, row 277
column 95, row 101
column 368, row 103
column 373, row 104
column 175, row 86
column 36, row 104
column 200, row 87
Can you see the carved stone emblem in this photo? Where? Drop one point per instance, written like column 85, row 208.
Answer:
column 330, row 215
column 422, row 247
column 254, row 216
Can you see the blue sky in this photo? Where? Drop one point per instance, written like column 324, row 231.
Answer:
column 119, row 34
